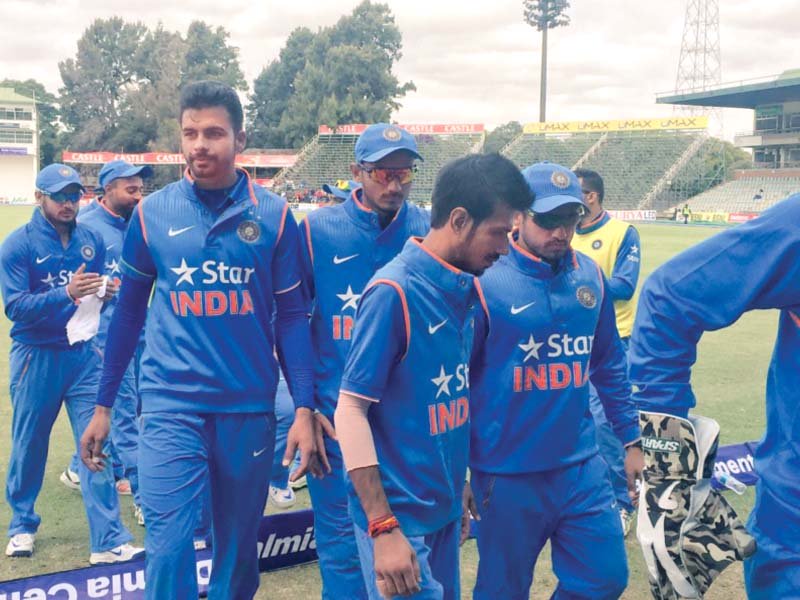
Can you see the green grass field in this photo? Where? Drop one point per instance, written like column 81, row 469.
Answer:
column 729, row 382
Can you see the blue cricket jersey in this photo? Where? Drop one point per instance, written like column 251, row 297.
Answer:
column 111, row 228
column 209, row 336
column 343, row 247
column 410, row 354
column 35, row 272
column 549, row 332
column 752, row 266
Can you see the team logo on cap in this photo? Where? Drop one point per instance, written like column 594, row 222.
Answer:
column 87, row 252
column 64, row 172
column 597, row 244
column 560, row 180
column 586, row 297
column 392, row 134
column 248, row 231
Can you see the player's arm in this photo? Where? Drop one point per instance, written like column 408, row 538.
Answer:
column 625, row 275
column 379, row 342
column 139, row 273
column 307, row 257
column 755, row 265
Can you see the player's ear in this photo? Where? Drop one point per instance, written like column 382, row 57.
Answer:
column 460, row 220
column 240, row 141
column 355, row 171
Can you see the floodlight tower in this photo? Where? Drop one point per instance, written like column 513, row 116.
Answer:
column 699, row 65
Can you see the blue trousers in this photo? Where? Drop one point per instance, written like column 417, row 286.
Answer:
column 611, row 449
column 284, row 417
column 333, row 529
column 574, row 508
column 183, row 456
column 42, row 378
column 437, row 555
column 774, row 570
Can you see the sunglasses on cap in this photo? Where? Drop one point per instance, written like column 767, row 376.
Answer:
column 62, row 197
column 551, row 221
column 383, row 176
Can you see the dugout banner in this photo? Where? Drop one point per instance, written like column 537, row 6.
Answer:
column 633, row 215
column 735, row 460
column 284, row 540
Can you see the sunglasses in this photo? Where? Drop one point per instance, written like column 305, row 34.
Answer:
column 62, row 197
column 383, row 176
column 551, row 221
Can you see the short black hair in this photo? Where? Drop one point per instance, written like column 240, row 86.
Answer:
column 478, row 183
column 207, row 94
column 592, row 182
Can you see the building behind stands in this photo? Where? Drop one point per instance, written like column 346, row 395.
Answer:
column 19, row 147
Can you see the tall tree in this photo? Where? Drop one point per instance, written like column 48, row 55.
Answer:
column 209, row 56
column 501, row 135
column 545, row 15
column 341, row 74
column 47, row 109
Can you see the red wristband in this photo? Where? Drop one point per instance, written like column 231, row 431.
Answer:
column 383, row 524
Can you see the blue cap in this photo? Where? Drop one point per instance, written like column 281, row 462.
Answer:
column 54, row 178
column 117, row 169
column 342, row 189
column 552, row 186
column 381, row 139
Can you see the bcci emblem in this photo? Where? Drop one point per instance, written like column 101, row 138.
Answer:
column 586, row 297
column 64, row 172
column 560, row 180
column 87, row 252
column 248, row 231
column 597, row 244
column 392, row 134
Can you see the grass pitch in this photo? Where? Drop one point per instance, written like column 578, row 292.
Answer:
column 729, row 382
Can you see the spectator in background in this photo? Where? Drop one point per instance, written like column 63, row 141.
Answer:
column 759, row 195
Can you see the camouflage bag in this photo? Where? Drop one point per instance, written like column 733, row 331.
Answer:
column 688, row 532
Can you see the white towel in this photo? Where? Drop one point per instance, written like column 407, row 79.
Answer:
column 85, row 322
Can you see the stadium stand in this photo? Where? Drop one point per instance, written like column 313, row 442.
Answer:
column 527, row 149
column 327, row 156
column 747, row 194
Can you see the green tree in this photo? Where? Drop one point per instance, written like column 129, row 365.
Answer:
column 545, row 15
column 47, row 109
column 341, row 74
column 209, row 56
column 501, row 135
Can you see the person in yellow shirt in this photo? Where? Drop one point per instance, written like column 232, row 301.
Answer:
column 615, row 246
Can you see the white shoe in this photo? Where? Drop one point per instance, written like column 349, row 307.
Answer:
column 138, row 514
column 627, row 520
column 282, row 498
column 200, row 544
column 122, row 553
column 20, row 544
column 299, row 484
column 71, row 479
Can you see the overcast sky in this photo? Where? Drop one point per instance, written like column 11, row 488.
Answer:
column 472, row 62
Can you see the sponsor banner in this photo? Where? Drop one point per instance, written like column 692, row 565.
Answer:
column 273, row 161
column 707, row 217
column 633, row 215
column 659, row 124
column 14, row 151
column 284, row 540
column 741, row 217
column 735, row 460
column 357, row 129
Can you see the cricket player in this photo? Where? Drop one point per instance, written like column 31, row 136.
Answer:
column 752, row 266
column 404, row 409
column 535, row 469
column 615, row 246
column 222, row 253
column 123, row 187
column 46, row 267
column 344, row 245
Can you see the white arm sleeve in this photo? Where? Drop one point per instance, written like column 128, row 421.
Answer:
column 354, row 433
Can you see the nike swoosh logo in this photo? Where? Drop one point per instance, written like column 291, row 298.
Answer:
column 434, row 328
column 173, row 232
column 110, row 247
column 664, row 500
column 516, row 310
column 259, row 453
column 116, row 552
column 338, row 261
column 41, row 260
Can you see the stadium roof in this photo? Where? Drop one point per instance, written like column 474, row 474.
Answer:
column 776, row 89
column 9, row 96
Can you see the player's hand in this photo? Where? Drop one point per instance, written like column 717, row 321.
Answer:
column 112, row 289
column 468, row 507
column 83, row 284
column 94, row 437
column 323, row 427
column 634, row 468
column 396, row 568
column 302, row 437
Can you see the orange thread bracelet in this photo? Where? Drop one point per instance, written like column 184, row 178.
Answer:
column 383, row 524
